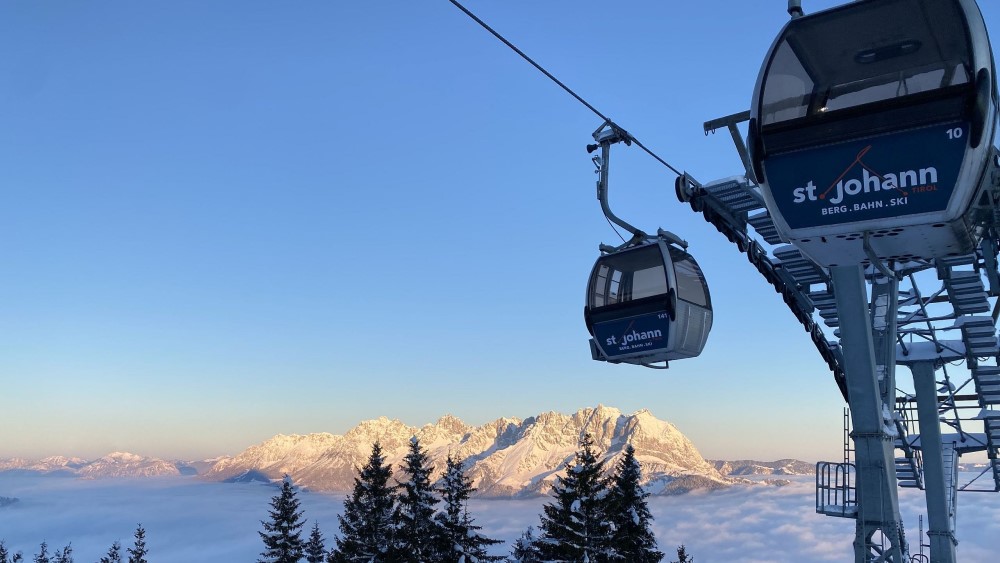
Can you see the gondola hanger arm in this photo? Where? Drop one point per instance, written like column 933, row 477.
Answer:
column 606, row 135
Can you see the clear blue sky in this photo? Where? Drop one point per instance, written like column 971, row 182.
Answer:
column 226, row 220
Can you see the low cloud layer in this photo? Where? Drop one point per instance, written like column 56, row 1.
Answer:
column 192, row 521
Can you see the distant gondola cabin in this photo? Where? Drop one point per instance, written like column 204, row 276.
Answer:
column 648, row 303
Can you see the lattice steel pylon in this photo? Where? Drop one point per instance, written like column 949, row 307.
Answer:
column 930, row 316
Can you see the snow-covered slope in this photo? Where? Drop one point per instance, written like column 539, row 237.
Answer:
column 506, row 457
column 116, row 464
column 47, row 465
column 751, row 467
column 198, row 467
column 122, row 464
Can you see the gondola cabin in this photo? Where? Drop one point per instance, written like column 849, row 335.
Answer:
column 647, row 303
column 876, row 119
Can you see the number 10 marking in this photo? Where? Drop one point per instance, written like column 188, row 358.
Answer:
column 955, row 133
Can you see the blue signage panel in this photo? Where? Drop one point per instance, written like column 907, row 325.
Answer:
column 641, row 334
column 875, row 178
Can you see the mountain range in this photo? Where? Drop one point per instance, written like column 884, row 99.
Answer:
column 115, row 464
column 508, row 457
column 751, row 467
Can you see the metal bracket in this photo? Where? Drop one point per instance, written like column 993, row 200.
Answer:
column 730, row 122
column 876, row 263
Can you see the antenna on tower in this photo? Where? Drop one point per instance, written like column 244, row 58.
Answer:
column 795, row 8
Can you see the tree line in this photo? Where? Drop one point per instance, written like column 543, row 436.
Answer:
column 135, row 554
column 592, row 518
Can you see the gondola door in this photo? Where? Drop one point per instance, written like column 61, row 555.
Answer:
column 629, row 307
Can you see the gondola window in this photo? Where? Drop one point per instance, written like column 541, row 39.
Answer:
column 690, row 281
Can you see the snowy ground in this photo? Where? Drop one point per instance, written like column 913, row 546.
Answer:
column 190, row 521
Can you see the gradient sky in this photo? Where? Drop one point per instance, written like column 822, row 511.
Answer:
column 226, row 220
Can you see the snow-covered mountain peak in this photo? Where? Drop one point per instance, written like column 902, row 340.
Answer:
column 451, row 424
column 447, row 430
column 63, row 461
column 390, row 433
column 125, row 464
column 598, row 414
column 505, row 457
column 643, row 414
column 122, row 457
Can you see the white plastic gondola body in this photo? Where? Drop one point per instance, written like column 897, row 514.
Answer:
column 647, row 303
column 877, row 119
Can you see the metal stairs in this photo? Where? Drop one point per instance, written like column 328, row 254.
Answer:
column 909, row 473
column 727, row 204
column 802, row 270
column 966, row 292
column 987, row 381
column 764, row 225
column 826, row 303
column 979, row 336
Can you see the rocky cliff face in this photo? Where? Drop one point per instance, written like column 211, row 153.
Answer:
column 506, row 457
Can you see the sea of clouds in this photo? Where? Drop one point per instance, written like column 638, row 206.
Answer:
column 188, row 520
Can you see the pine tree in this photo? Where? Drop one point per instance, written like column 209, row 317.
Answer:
column 682, row 556
column 632, row 539
column 459, row 534
column 8, row 557
column 282, row 536
column 526, row 549
column 417, row 533
column 114, row 554
column 366, row 531
column 63, row 556
column 4, row 554
column 138, row 552
column 315, row 549
column 574, row 526
column 43, row 555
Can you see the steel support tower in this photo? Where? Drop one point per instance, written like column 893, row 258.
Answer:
column 879, row 534
column 864, row 319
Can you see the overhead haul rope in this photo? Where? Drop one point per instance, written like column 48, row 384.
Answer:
column 563, row 86
column 754, row 252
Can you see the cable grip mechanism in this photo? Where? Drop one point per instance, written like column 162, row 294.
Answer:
column 606, row 135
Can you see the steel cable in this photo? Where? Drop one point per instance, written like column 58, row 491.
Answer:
column 558, row 82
